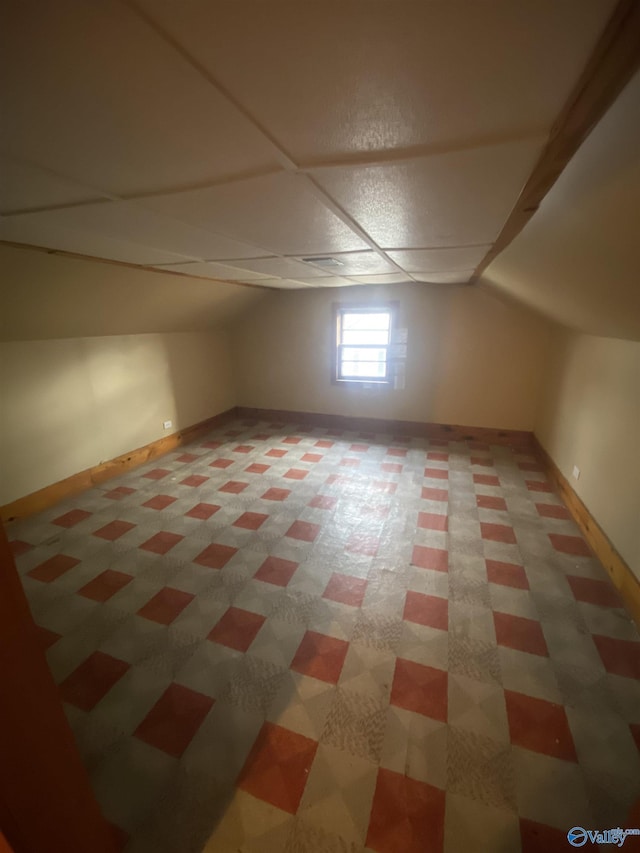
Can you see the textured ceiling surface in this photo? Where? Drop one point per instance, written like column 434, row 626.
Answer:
column 234, row 140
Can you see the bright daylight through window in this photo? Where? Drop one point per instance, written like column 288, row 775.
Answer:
column 363, row 336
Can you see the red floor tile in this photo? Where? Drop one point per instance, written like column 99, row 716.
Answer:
column 296, row 474
column 491, row 502
column 516, row 632
column 426, row 610
column 620, row 657
column 233, row 487
column 323, row 502
column 212, row 445
column 432, row 521
column 166, row 605
column 391, row 467
column 105, row 585
column 482, row 461
column 397, row 451
column 276, row 453
column 486, row 480
column 187, row 457
column 257, row 468
column 538, row 486
column 497, row 533
column 161, row 542
column 92, row 680
column 175, row 718
column 539, row 725
column 215, row 556
column 594, row 592
column 540, row 838
column 114, row 530
column 359, row 448
column 277, row 571
column 346, row 589
column 194, row 480
column 553, row 511
column 337, row 478
column 320, row 657
column 243, row 448
column 323, row 443
column 118, row 493
column 573, row 545
column 18, row 547
column 437, row 456
column 430, row 558
column 156, row 474
column 303, row 530
column 506, row 574
column 312, row 457
column 250, row 520
column 437, row 473
column 277, row 768
column 237, row 629
column 276, row 494
column 419, row 688
column 434, row 494
column 53, row 568
column 407, row 816
column 291, row 439
column 71, row 518
column 221, row 463
column 47, row 638
column 159, row 502
column 202, row 511
column 263, row 436
column 363, row 543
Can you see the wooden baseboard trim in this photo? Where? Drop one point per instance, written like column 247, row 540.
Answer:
column 415, row 429
column 56, row 492
column 620, row 573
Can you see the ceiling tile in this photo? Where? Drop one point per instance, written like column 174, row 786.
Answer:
column 329, row 281
column 360, row 263
column 440, row 260
column 278, row 212
column 25, row 187
column 113, row 105
column 42, row 229
column 443, row 277
column 281, row 284
column 281, row 267
column 349, row 77
column 217, row 271
column 130, row 222
column 455, row 199
column 396, row 278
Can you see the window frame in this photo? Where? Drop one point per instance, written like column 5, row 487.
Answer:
column 341, row 308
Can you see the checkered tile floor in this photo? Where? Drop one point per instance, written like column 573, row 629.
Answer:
column 299, row 640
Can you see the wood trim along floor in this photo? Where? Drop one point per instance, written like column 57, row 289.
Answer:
column 53, row 494
column 620, row 573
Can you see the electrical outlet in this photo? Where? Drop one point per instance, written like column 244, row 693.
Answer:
column 575, row 473
column 167, row 424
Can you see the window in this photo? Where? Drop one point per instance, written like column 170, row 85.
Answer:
column 362, row 341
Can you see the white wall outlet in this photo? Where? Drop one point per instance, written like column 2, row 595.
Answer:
column 575, row 473
column 167, row 424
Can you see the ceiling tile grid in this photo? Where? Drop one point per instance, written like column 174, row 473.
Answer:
column 248, row 142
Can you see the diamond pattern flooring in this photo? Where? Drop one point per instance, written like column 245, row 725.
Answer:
column 286, row 639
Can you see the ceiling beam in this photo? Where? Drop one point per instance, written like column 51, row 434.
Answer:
column 616, row 57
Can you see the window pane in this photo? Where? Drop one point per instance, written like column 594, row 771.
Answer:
column 368, row 354
column 366, row 321
column 364, row 369
column 365, row 337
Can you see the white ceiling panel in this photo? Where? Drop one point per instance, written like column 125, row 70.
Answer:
column 348, row 76
column 440, row 260
column 42, row 229
column 90, row 91
column 397, row 278
column 278, row 212
column 453, row 199
column 360, row 263
column 25, row 187
column 217, row 271
column 281, row 267
column 329, row 281
column 461, row 277
column 133, row 223
column 281, row 284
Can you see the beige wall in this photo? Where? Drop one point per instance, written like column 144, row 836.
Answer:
column 70, row 404
column 472, row 359
column 590, row 417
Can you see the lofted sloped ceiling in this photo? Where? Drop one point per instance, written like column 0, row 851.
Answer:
column 237, row 140
column 577, row 259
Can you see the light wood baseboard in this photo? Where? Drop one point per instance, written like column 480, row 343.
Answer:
column 620, row 573
column 56, row 492
column 434, row 432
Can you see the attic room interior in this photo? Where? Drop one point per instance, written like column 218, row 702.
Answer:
column 320, row 406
